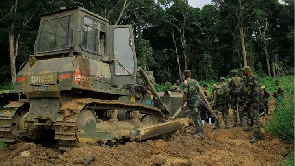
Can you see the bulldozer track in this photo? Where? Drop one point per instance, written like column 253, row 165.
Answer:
column 6, row 123
column 70, row 126
column 65, row 125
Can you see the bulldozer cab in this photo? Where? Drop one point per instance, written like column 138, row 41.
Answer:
column 77, row 31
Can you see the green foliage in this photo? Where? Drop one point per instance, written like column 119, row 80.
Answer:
column 282, row 122
column 6, row 86
column 144, row 54
column 209, row 83
column 260, row 71
column 288, row 161
column 286, row 81
column 162, row 88
column 5, row 74
column 1, row 144
column 206, row 70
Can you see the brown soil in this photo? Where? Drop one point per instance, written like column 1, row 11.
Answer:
column 221, row 147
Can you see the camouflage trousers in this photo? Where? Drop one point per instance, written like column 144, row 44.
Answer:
column 237, row 113
column 237, row 102
column 196, row 118
column 253, row 112
column 223, row 108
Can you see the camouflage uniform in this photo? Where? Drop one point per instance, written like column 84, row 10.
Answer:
column 193, row 102
column 220, row 103
column 252, row 96
column 236, row 97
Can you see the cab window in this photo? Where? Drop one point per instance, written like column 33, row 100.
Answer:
column 123, row 52
column 56, row 34
column 90, row 42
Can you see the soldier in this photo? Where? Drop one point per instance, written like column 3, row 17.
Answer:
column 279, row 95
column 190, row 95
column 176, row 87
column 252, row 99
column 236, row 96
column 280, row 89
column 220, row 95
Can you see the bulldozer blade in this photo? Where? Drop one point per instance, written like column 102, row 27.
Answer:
column 156, row 130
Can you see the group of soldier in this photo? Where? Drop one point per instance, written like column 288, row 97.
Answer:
column 244, row 94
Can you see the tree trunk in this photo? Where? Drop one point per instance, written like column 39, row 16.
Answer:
column 179, row 69
column 177, row 56
column 240, row 18
column 242, row 33
column 273, row 69
column 185, row 59
column 267, row 61
column 122, row 11
column 265, row 46
column 12, row 52
column 250, row 56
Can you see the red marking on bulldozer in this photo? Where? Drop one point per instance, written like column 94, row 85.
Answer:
column 77, row 74
column 65, row 76
column 20, row 79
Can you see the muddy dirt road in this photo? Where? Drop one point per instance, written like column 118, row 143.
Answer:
column 221, row 147
column 218, row 148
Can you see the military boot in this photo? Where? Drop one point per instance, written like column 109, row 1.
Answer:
column 255, row 138
column 227, row 126
column 245, row 124
column 199, row 132
column 216, row 127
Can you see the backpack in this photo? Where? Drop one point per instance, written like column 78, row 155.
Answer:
column 238, row 85
column 221, row 89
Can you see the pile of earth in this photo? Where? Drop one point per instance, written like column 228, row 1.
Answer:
column 220, row 147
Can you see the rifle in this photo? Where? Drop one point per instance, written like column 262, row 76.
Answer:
column 207, row 102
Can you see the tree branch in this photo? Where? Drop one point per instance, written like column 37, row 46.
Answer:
column 123, row 8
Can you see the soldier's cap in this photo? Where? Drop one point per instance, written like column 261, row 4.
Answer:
column 246, row 68
column 186, row 72
column 262, row 87
column 221, row 78
column 234, row 71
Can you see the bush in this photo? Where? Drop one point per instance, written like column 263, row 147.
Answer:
column 288, row 161
column 162, row 88
column 282, row 123
column 1, row 144
column 6, row 86
column 286, row 81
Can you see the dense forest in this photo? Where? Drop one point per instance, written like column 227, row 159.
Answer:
column 171, row 35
